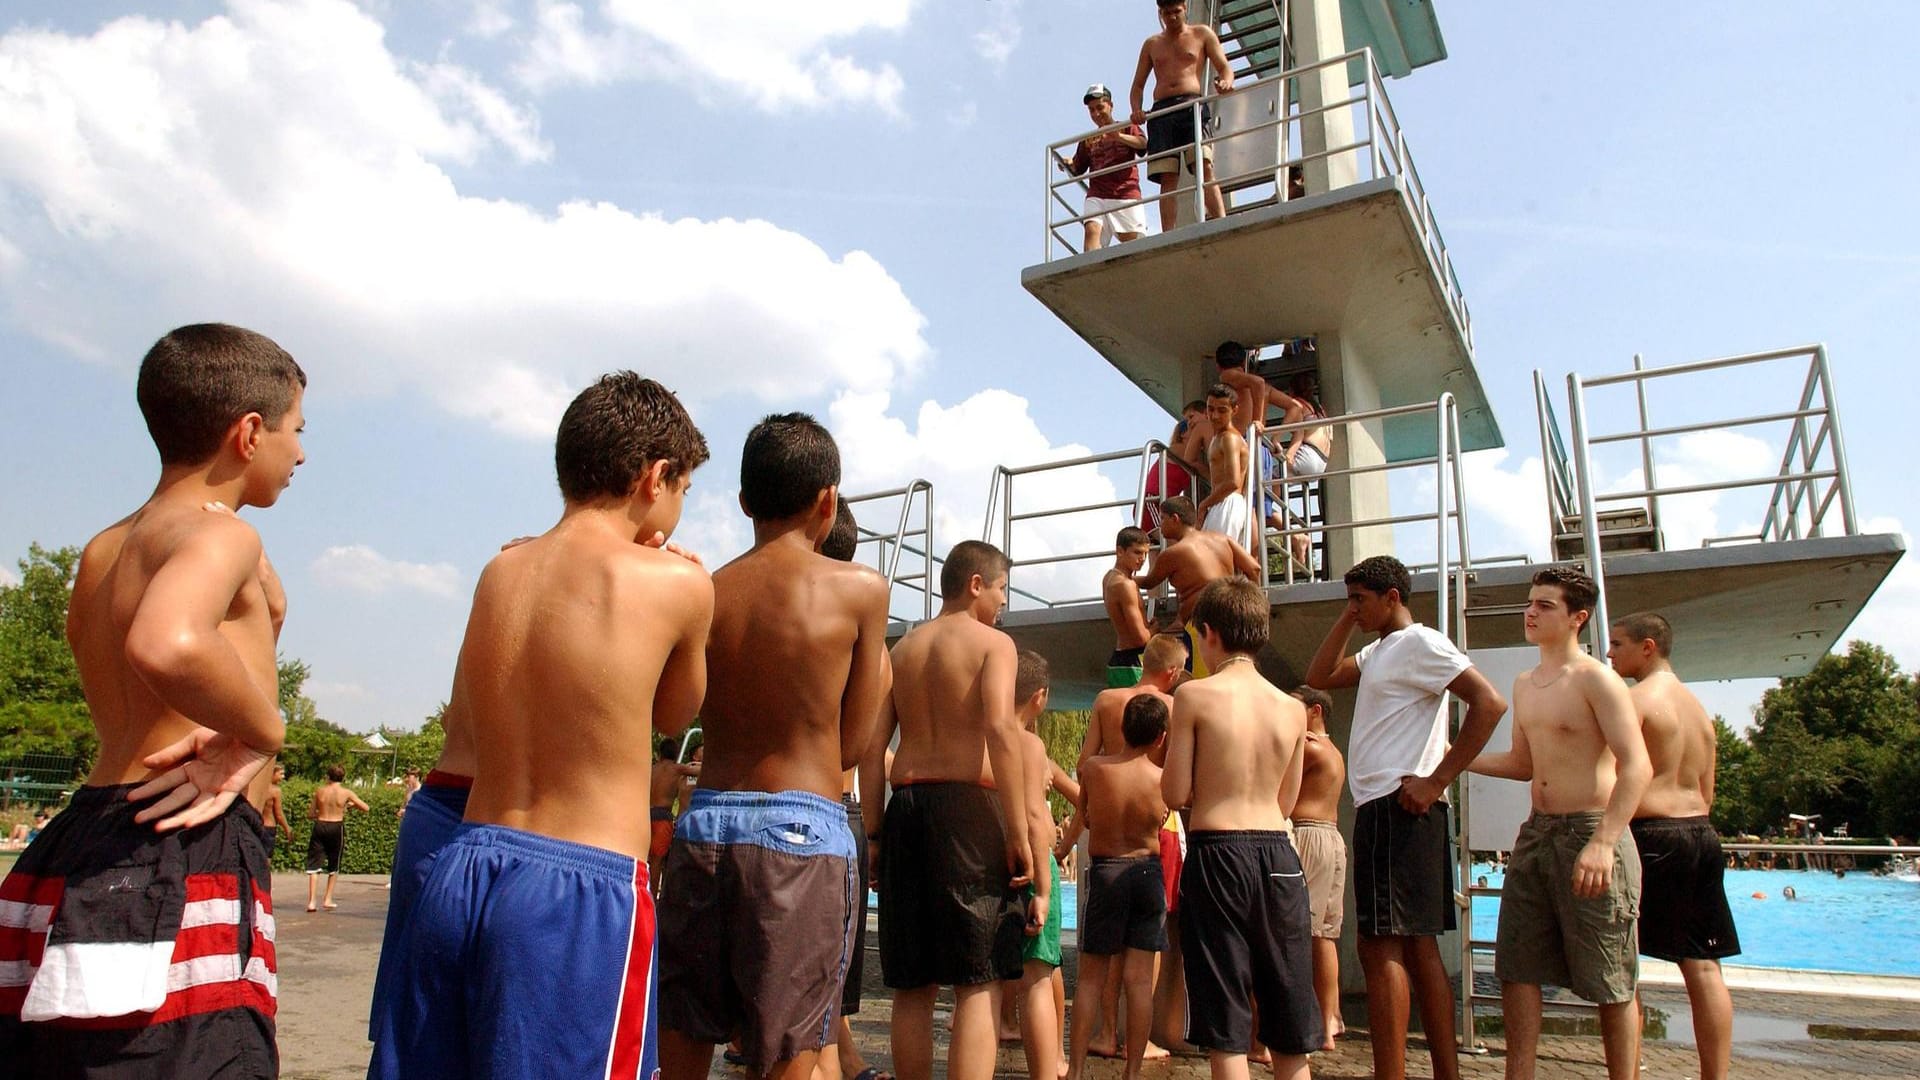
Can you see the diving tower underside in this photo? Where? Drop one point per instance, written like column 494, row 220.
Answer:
column 1350, row 262
column 1738, row 611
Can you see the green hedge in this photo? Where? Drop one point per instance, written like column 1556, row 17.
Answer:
column 370, row 836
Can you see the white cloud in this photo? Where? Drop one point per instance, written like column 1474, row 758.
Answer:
column 774, row 53
column 361, row 568
column 489, row 20
column 713, row 526
column 280, row 167
column 956, row 448
column 996, row 42
column 8, row 579
column 1704, row 457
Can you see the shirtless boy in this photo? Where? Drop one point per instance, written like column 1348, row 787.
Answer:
column 1323, row 852
column 1193, row 559
column 1684, row 917
column 663, row 787
column 1187, row 443
column 273, row 812
column 1175, row 56
column 756, row 930
column 1226, row 508
column 1254, row 396
column 529, row 949
column 172, row 620
column 1165, row 659
column 1572, row 893
column 1399, row 766
column 1234, row 743
column 328, row 812
column 1040, row 1017
column 1125, row 610
column 1126, row 904
column 954, row 846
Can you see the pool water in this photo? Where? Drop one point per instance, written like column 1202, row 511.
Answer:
column 1862, row 924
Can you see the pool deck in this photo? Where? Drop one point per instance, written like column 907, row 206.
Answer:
column 327, row 961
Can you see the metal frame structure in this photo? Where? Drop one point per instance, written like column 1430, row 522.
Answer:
column 1379, row 143
column 892, row 544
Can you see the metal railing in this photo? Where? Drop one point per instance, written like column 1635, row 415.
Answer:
column 1452, row 542
column 1153, row 456
column 1809, row 486
column 891, row 545
column 1376, row 150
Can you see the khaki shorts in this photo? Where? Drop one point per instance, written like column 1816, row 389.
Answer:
column 1323, row 855
column 1548, row 936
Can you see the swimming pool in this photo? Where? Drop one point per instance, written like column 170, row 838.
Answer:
column 1862, row 924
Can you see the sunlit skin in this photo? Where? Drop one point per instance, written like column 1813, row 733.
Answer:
column 1175, row 57
column 1121, row 596
column 1226, row 456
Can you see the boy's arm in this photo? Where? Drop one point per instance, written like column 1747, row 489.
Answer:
column 356, row 800
column 1514, row 763
column 1244, row 562
column 1158, row 570
column 1176, row 780
column 873, row 766
column 1607, row 696
column 1124, row 609
column 1004, row 755
column 1060, row 781
column 1223, row 71
column 867, row 677
column 1091, row 740
column 1331, row 667
column 1485, row 707
column 1296, row 768
column 1136, row 94
column 1039, row 831
column 683, row 680
column 1129, row 140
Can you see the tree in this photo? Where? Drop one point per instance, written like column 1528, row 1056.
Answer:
column 418, row 749
column 1733, row 810
column 295, row 706
column 35, row 663
column 1830, row 742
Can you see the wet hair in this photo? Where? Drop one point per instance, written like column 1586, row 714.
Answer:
column 1222, row 390
column 1181, row 507
column 196, row 381
column 1196, row 405
column 1648, row 626
column 1230, row 354
column 1168, row 3
column 970, row 557
column 615, row 429
column 1575, row 587
column 1164, row 652
column 1381, row 573
column 788, row 461
column 1144, row 720
column 844, row 538
column 1030, row 677
column 336, row 774
column 1129, row 537
column 1310, row 697
column 1237, row 610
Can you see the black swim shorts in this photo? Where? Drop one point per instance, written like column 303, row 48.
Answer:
column 948, row 913
column 1683, row 898
column 1244, row 924
column 1172, row 132
column 856, row 960
column 1402, row 870
column 1126, row 906
column 323, row 849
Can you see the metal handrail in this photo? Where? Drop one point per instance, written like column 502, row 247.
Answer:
column 895, row 542
column 1152, row 455
column 1381, row 146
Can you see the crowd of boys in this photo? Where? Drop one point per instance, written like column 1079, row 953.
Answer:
column 137, row 933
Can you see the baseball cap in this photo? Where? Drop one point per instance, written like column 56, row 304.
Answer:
column 1097, row 90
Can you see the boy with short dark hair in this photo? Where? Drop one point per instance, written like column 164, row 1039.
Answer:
column 756, row 930
column 1125, row 610
column 328, row 812
column 173, row 620
column 1126, row 903
column 1235, row 742
column 529, row 951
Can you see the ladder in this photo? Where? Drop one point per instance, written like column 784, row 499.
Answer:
column 1255, row 36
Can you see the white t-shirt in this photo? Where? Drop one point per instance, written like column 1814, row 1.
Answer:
column 1399, row 719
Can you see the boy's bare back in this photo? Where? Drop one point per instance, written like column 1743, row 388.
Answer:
column 795, row 663
column 1243, row 738
column 1681, row 744
column 949, row 676
column 1323, row 772
column 1123, row 805
column 580, row 645
column 1104, row 737
column 171, row 569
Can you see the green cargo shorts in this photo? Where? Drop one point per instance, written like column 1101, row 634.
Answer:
column 1550, row 937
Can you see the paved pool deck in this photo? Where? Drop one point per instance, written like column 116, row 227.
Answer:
column 1787, row 1024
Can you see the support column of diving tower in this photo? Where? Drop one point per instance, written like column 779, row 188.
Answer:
column 1355, row 262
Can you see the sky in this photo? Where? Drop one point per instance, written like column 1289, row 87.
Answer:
column 456, row 213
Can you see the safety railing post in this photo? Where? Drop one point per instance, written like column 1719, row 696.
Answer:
column 926, row 536
column 1589, row 520
column 1841, row 476
column 1199, row 160
column 1646, row 446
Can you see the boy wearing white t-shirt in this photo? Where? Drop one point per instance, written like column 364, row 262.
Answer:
column 1399, row 765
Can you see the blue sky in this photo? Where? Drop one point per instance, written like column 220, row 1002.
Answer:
column 455, row 213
